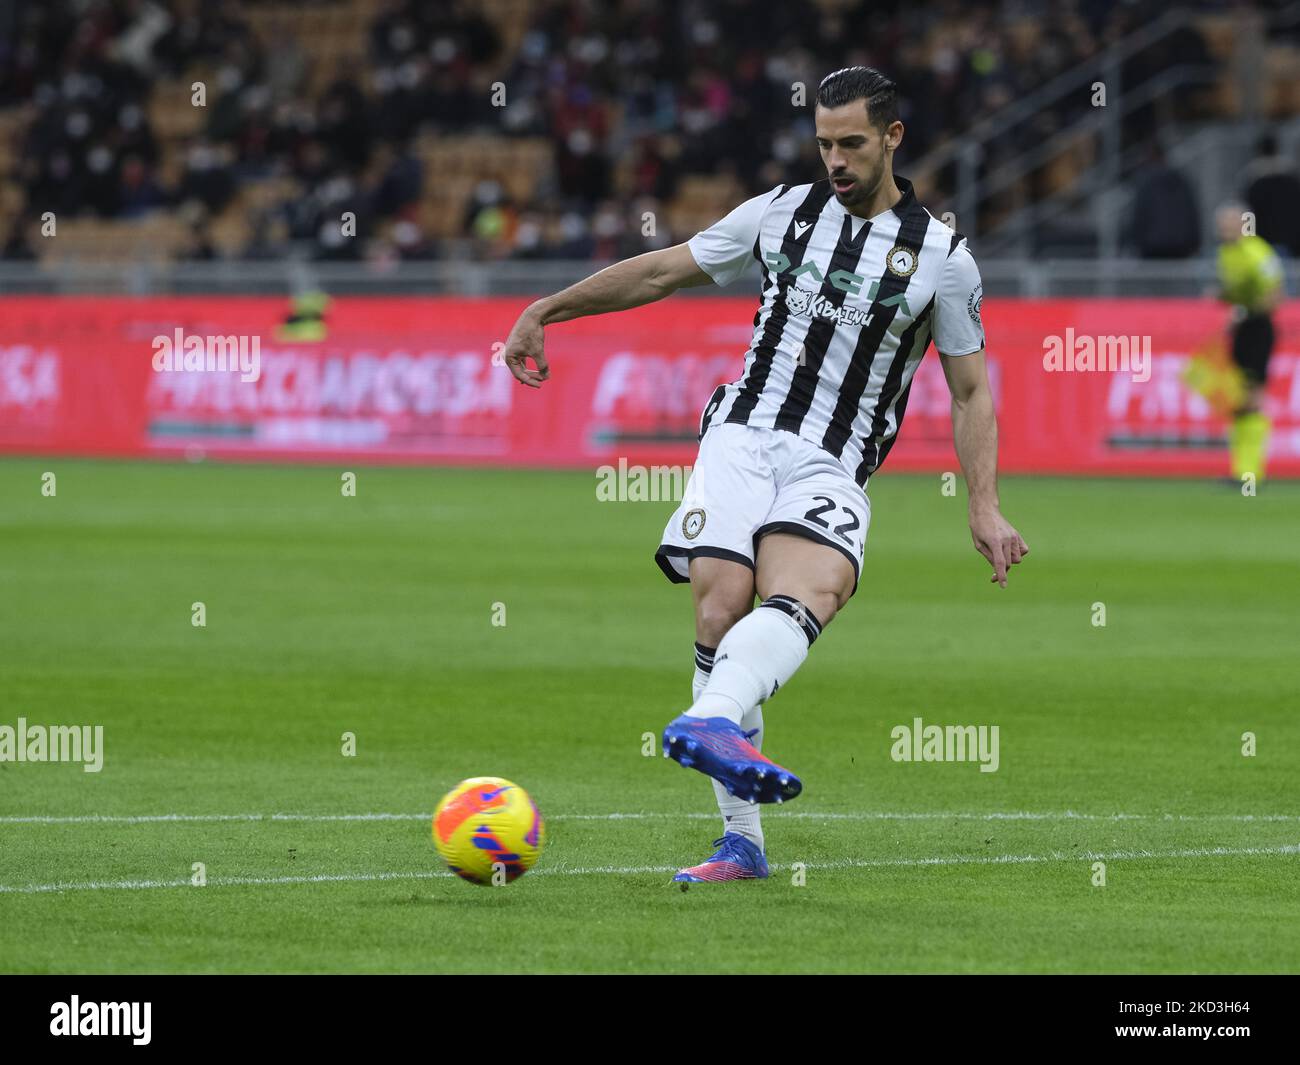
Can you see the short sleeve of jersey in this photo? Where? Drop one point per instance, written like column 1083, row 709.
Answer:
column 727, row 247
column 958, row 329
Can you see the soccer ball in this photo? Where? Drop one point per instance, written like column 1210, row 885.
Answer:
column 486, row 826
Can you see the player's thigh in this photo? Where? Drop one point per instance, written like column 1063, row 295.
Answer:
column 812, row 542
column 819, row 577
column 723, row 592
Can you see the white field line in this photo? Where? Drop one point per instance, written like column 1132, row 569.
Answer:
column 808, row 815
column 614, row 870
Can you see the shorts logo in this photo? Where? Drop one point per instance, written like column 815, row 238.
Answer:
column 973, row 304
column 693, row 523
column 901, row 261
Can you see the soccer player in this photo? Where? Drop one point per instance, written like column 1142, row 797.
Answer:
column 857, row 279
column 1250, row 279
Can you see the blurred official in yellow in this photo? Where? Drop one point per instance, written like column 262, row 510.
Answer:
column 1250, row 279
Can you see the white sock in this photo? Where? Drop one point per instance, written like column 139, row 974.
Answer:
column 737, row 815
column 759, row 654
column 703, row 667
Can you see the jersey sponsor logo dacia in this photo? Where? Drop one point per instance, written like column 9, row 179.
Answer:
column 845, row 281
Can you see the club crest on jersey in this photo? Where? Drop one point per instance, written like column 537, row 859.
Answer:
column 901, row 261
column 693, row 523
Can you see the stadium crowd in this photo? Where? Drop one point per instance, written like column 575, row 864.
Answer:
column 633, row 97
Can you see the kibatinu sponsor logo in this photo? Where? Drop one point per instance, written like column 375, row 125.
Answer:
column 179, row 353
column 53, row 743
column 946, row 743
column 815, row 305
column 102, row 1018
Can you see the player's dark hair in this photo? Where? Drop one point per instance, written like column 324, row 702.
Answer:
column 862, row 83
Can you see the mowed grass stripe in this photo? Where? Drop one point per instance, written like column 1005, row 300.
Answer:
column 635, row 870
column 814, row 815
column 373, row 615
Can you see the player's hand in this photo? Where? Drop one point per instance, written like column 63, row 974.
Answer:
column 525, row 342
column 998, row 541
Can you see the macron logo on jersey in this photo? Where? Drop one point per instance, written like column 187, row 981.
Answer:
column 800, row 228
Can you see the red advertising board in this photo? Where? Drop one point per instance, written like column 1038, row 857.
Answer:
column 415, row 380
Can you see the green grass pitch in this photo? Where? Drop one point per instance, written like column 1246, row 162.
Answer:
column 373, row 615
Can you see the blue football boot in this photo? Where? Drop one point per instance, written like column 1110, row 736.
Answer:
column 719, row 749
column 737, row 858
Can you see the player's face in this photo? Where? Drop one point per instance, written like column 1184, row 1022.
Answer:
column 1227, row 220
column 856, row 153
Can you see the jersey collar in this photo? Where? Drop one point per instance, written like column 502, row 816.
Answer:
column 908, row 199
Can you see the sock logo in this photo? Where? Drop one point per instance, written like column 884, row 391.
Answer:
column 800, row 614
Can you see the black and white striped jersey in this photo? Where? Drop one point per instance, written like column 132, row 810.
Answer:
column 847, row 310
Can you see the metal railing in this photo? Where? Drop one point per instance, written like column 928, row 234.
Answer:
column 1003, row 276
column 1096, row 190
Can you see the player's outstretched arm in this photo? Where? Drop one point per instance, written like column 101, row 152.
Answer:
column 975, row 434
column 631, row 283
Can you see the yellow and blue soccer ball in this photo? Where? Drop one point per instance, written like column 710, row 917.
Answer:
column 488, row 826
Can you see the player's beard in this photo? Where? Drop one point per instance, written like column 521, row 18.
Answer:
column 864, row 186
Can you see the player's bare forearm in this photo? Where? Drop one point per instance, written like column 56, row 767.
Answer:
column 975, row 437
column 632, row 283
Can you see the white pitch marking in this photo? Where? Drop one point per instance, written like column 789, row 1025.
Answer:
column 1015, row 815
column 608, row 870
column 227, row 881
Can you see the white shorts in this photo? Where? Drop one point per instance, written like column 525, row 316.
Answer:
column 749, row 481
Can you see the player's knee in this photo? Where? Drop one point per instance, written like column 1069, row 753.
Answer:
column 715, row 614
column 821, row 605
column 823, row 595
